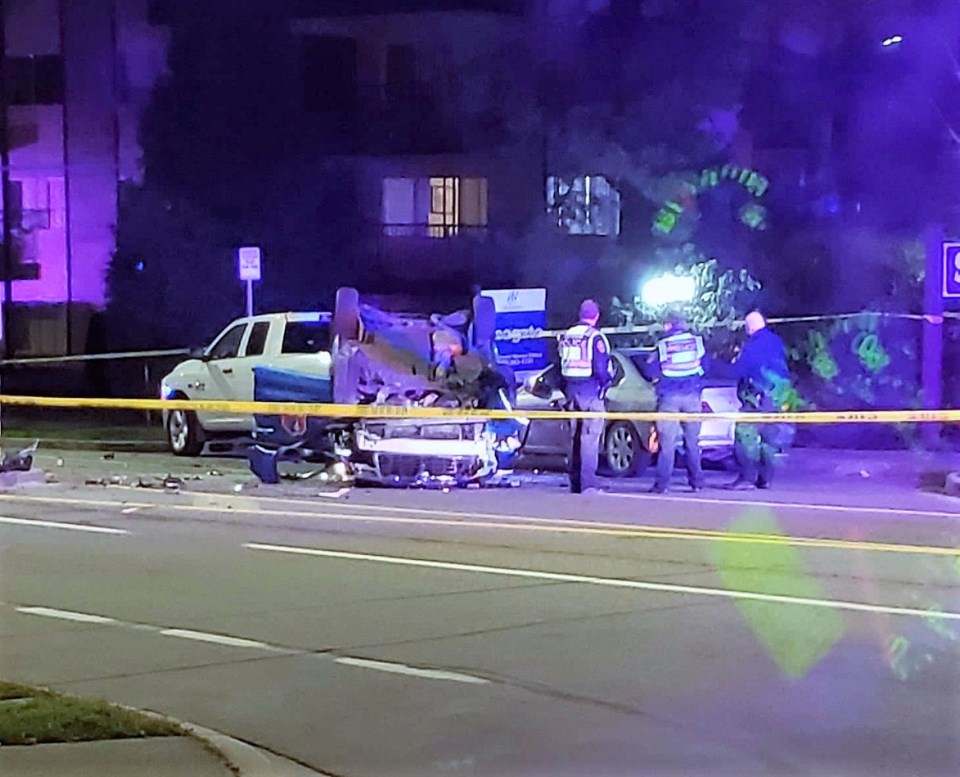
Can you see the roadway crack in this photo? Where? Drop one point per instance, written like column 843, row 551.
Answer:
column 546, row 622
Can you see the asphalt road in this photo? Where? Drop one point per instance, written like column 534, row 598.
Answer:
column 507, row 632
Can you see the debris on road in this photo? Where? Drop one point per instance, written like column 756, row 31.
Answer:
column 172, row 483
column 334, row 494
column 22, row 461
column 300, row 475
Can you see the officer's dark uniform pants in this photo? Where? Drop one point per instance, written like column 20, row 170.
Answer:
column 756, row 446
column 669, row 434
column 585, row 442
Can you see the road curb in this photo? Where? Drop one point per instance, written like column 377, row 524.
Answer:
column 116, row 446
column 242, row 758
column 248, row 760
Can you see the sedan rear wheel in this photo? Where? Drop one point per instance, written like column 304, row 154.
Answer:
column 624, row 452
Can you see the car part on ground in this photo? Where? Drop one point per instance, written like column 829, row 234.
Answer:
column 21, row 461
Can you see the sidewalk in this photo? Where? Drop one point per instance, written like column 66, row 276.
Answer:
column 203, row 754
column 155, row 757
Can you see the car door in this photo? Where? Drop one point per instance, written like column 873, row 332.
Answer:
column 251, row 354
column 544, row 436
column 223, row 362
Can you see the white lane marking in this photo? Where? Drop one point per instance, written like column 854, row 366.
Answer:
column 412, row 671
column 222, row 639
column 66, row 615
column 58, row 525
column 609, row 582
column 530, row 523
column 219, row 639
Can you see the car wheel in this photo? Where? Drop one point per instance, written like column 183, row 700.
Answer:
column 184, row 434
column 624, row 451
column 729, row 463
column 484, row 321
column 346, row 314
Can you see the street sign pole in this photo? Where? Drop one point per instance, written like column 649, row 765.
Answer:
column 936, row 287
column 249, row 299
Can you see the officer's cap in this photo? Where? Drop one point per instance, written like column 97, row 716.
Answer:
column 589, row 310
column 676, row 320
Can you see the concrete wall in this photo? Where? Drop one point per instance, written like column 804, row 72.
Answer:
column 445, row 44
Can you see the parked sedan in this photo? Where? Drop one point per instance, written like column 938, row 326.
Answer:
column 628, row 447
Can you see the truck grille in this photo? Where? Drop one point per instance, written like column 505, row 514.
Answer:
column 431, row 431
column 407, row 467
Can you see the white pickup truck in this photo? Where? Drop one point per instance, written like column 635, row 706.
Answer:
column 299, row 342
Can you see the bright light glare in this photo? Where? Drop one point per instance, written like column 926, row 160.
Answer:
column 893, row 40
column 668, row 290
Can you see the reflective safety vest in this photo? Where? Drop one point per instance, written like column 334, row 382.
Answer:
column 681, row 355
column 576, row 351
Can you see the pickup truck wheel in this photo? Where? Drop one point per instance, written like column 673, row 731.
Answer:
column 346, row 314
column 624, row 452
column 184, row 434
column 484, row 321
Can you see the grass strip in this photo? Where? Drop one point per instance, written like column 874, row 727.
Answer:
column 30, row 716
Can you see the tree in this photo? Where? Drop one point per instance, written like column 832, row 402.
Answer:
column 172, row 280
column 638, row 93
column 230, row 159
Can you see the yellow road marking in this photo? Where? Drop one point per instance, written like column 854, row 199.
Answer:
column 528, row 525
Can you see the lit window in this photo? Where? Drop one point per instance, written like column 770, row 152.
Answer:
column 586, row 205
column 440, row 206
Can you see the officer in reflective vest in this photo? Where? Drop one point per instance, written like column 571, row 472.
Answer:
column 585, row 367
column 679, row 364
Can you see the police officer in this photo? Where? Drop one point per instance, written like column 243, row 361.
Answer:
column 585, row 367
column 763, row 381
column 679, row 365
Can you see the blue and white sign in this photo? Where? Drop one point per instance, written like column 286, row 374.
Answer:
column 520, row 324
column 951, row 270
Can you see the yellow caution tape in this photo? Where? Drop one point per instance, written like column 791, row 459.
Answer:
column 329, row 410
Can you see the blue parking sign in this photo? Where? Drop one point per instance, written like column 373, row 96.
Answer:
column 951, row 270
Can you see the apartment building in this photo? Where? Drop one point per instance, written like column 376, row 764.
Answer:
column 78, row 74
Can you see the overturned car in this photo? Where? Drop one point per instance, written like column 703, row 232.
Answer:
column 382, row 358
